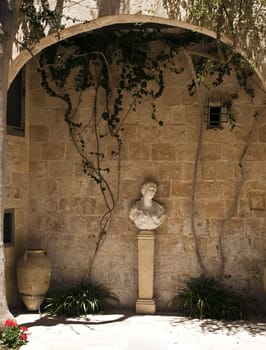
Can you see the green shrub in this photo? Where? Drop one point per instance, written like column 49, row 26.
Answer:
column 83, row 299
column 205, row 297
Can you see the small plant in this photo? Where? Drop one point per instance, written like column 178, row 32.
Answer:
column 86, row 298
column 14, row 336
column 205, row 297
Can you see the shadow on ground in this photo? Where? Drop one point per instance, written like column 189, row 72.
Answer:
column 89, row 320
column 253, row 328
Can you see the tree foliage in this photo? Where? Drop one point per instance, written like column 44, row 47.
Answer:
column 244, row 21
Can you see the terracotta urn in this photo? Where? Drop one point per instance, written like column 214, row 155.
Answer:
column 33, row 277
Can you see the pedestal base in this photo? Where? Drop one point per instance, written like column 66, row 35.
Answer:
column 145, row 306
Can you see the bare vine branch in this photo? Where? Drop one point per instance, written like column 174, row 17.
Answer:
column 196, row 163
column 233, row 209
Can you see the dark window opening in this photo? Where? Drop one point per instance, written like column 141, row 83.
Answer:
column 214, row 117
column 16, row 106
column 9, row 227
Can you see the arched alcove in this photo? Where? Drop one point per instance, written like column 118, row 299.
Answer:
column 170, row 156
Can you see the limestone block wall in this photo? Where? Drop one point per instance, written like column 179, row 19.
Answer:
column 65, row 205
column 17, row 198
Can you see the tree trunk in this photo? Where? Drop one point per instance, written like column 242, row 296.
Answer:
column 8, row 25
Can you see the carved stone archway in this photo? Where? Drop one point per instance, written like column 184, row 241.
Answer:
column 21, row 58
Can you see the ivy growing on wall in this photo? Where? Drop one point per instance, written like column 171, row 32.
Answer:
column 114, row 66
column 119, row 69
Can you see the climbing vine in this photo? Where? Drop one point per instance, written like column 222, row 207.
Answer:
column 201, row 69
column 118, row 66
column 114, row 66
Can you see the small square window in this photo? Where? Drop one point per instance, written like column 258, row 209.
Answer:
column 9, row 229
column 215, row 114
column 214, row 117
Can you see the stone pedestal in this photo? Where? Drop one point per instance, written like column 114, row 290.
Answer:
column 145, row 302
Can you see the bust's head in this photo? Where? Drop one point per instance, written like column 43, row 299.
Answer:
column 149, row 189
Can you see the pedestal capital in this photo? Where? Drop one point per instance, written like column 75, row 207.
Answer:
column 146, row 234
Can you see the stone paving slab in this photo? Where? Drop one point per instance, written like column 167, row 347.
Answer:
column 123, row 331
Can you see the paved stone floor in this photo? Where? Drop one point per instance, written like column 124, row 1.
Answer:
column 124, row 331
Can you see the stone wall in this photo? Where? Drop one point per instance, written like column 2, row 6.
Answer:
column 17, row 198
column 65, row 205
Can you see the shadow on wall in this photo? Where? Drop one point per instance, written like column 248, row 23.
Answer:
column 112, row 7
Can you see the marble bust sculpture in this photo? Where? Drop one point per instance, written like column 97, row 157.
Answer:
column 146, row 213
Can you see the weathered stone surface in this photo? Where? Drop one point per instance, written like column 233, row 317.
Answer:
column 211, row 208
column 180, row 189
column 174, row 131
column 59, row 168
column 210, row 152
column 255, row 170
column 76, row 224
column 234, row 227
column 167, row 170
column 38, row 95
column 224, row 171
column 63, row 207
column 262, row 133
column 231, row 151
column 35, row 152
column 185, row 152
column 136, row 151
column 38, row 168
column 163, row 189
column 208, row 170
column 171, row 97
column 39, row 133
column 53, row 151
column 162, row 151
column 59, row 132
column 256, row 152
column 257, row 200
column 43, row 116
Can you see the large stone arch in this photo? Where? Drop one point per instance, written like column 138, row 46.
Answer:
column 19, row 59
column 100, row 23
